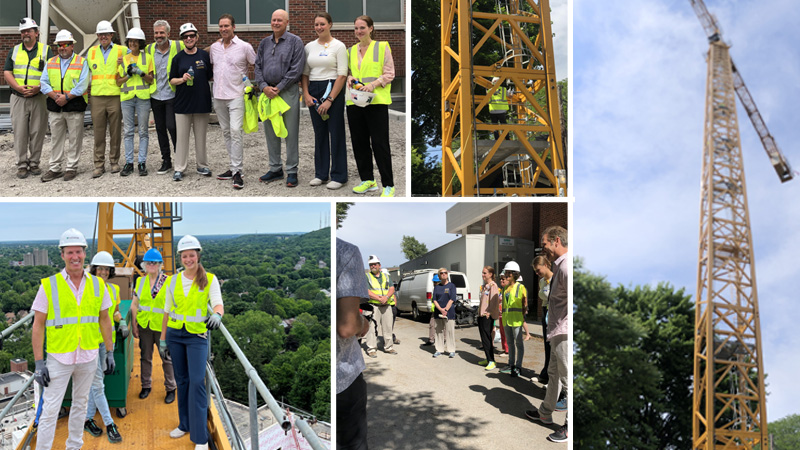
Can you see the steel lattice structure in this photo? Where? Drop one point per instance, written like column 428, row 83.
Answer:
column 527, row 64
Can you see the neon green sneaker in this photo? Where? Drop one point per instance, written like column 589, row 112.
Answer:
column 490, row 366
column 483, row 363
column 366, row 186
column 388, row 191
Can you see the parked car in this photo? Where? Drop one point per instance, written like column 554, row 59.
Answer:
column 415, row 290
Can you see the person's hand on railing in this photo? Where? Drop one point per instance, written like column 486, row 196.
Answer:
column 214, row 321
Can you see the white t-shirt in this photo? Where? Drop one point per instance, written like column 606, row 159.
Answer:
column 325, row 62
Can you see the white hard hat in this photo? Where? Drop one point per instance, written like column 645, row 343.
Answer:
column 373, row 260
column 103, row 259
column 27, row 23
column 189, row 242
column 495, row 80
column 72, row 237
column 104, row 26
column 185, row 28
column 511, row 266
column 135, row 33
column 361, row 98
column 519, row 278
column 64, row 36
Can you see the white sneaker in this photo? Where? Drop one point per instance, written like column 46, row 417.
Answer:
column 315, row 182
column 201, row 446
column 177, row 433
column 334, row 185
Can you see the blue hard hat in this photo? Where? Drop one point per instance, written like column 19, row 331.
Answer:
column 436, row 278
column 152, row 255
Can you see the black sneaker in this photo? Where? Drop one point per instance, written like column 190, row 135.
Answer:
column 204, row 171
column 560, row 435
column 92, row 428
column 127, row 170
column 227, row 175
column 271, row 176
column 514, row 372
column 177, row 176
column 170, row 397
column 166, row 166
column 113, row 434
column 238, row 183
column 142, row 170
column 291, row 180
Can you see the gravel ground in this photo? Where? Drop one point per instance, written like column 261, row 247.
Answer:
column 194, row 185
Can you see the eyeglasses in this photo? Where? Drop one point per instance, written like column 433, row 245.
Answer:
column 64, row 45
column 189, row 36
column 373, row 264
column 442, row 273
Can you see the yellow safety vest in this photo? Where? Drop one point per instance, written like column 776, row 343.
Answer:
column 499, row 100
column 189, row 311
column 104, row 73
column 151, row 310
column 113, row 291
column 135, row 86
column 71, row 76
column 379, row 287
column 68, row 323
column 174, row 48
column 28, row 72
column 513, row 313
column 371, row 69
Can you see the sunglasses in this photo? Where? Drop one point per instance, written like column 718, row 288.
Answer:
column 63, row 45
column 189, row 36
column 442, row 273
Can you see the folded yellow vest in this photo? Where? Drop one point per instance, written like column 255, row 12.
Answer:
column 273, row 110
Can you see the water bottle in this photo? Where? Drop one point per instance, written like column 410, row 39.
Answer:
column 246, row 81
column 191, row 75
column 323, row 116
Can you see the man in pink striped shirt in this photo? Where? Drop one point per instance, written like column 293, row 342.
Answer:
column 79, row 364
column 231, row 58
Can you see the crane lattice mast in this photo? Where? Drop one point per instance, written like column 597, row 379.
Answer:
column 729, row 406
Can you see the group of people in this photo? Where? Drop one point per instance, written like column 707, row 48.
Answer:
column 172, row 78
column 78, row 314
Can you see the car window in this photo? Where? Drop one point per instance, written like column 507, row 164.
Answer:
column 458, row 280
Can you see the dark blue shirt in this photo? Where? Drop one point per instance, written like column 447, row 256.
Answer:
column 442, row 295
column 195, row 99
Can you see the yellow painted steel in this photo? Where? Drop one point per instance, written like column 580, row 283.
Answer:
column 528, row 64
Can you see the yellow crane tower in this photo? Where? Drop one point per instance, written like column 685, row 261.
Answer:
column 524, row 157
column 729, row 406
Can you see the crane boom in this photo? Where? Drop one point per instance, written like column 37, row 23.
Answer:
column 708, row 21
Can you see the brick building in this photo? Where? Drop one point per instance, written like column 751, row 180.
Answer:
column 252, row 22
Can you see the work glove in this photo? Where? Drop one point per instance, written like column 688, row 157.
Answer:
column 162, row 349
column 123, row 328
column 138, row 71
column 110, row 363
column 42, row 375
column 129, row 70
column 213, row 322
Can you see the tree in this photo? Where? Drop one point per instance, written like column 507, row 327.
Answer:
column 426, row 173
column 636, row 343
column 412, row 248
column 786, row 433
column 341, row 212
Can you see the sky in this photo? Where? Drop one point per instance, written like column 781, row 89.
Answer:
column 19, row 220
column 639, row 89
column 378, row 228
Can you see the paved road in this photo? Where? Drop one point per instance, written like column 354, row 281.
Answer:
column 417, row 402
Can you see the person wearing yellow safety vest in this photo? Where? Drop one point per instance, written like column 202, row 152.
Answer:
column 515, row 301
column 185, row 335
column 161, row 100
column 190, row 74
column 371, row 74
column 444, row 313
column 65, row 83
column 554, row 243
column 135, row 79
column 103, row 267
column 104, row 61
column 280, row 60
column 22, row 72
column 381, row 294
column 147, row 309
column 68, row 308
column 498, row 105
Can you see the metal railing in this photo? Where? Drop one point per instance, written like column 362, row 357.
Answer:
column 3, row 335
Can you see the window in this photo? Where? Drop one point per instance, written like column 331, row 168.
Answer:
column 245, row 12
column 345, row 11
column 14, row 10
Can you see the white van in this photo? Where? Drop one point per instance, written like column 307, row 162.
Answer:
column 415, row 290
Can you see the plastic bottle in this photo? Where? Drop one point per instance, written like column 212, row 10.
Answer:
column 246, row 81
column 323, row 116
column 191, row 75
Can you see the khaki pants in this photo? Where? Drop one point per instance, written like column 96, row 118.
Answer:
column 29, row 122
column 445, row 335
column 557, row 371
column 383, row 318
column 82, row 376
column 62, row 123
column 106, row 113
column 184, row 123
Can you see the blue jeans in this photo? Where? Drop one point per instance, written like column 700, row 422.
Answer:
column 516, row 349
column 97, row 395
column 330, row 145
column 130, row 109
column 189, row 354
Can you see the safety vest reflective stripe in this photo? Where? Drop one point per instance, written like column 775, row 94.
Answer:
column 379, row 288
column 371, row 69
column 71, row 321
column 513, row 316
column 499, row 100
column 57, row 303
column 189, row 311
column 26, row 71
column 136, row 82
column 196, row 318
column 104, row 71
column 152, row 310
column 174, row 48
column 70, row 77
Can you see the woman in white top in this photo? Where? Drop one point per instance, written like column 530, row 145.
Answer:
column 323, row 80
